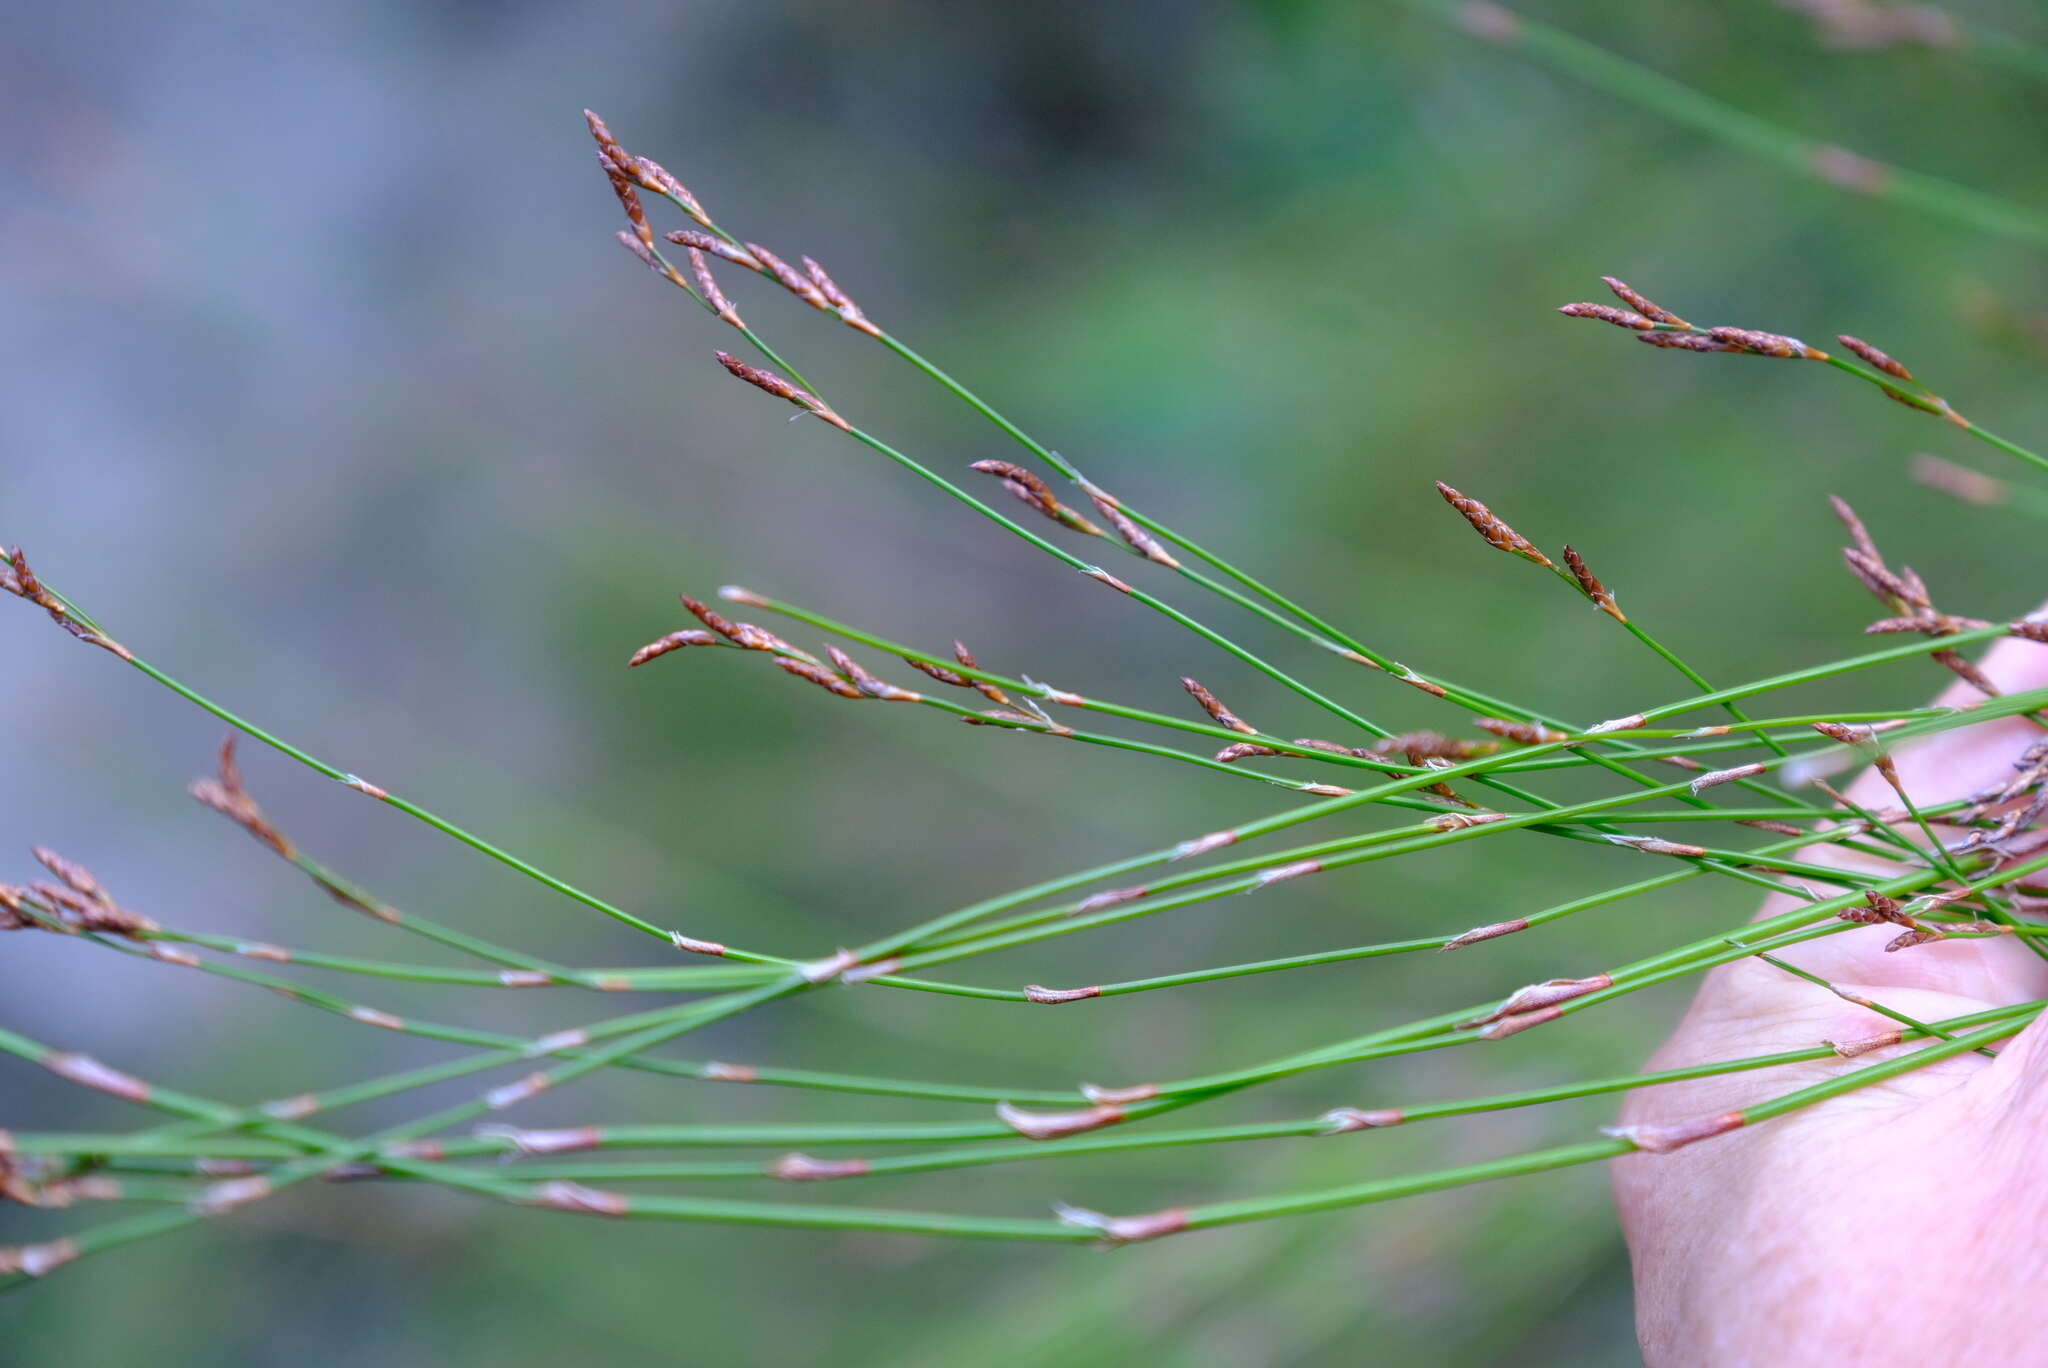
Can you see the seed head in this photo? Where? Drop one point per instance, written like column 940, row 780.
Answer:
column 1490, row 526
column 1642, row 304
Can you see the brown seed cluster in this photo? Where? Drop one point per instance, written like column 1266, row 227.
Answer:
column 774, row 384
column 1211, row 705
column 1906, row 594
column 629, row 173
column 1489, row 525
column 1036, row 494
column 19, row 580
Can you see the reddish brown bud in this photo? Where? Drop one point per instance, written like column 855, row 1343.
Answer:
column 1607, row 313
column 774, row 384
column 1241, row 750
column 1223, row 716
column 1489, row 526
column 1520, row 1022
column 1642, row 304
column 674, row 641
column 791, row 279
column 842, row 303
column 1874, row 356
column 871, row 685
column 820, row 676
column 716, row 246
column 1757, row 343
column 1527, row 733
column 707, row 285
column 1547, row 994
column 1678, row 341
column 1491, row 931
column 1136, row 537
column 1118, row 1230
column 1340, row 1120
column 1590, row 583
column 1036, row 494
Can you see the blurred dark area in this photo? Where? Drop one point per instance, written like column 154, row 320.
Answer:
column 327, row 390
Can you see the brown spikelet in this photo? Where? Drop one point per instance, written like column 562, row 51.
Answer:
column 627, row 197
column 1678, row 341
column 1590, row 583
column 1532, row 997
column 1491, row 931
column 981, row 686
column 1642, row 304
column 820, row 676
column 1519, row 1022
column 842, row 303
column 1527, row 733
column 774, row 384
column 674, row 641
column 1844, row 732
column 707, row 285
column 742, row 634
column 1241, row 750
column 1607, row 313
column 1874, row 356
column 228, row 797
column 1031, row 490
column 940, row 673
column 1756, row 343
column 1489, row 526
column 653, row 176
column 791, row 279
column 18, row 579
column 867, row 683
column 1966, row 669
column 1858, row 533
column 716, row 246
column 1139, row 540
column 1223, row 716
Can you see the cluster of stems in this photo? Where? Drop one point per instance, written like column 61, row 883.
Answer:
column 1689, row 781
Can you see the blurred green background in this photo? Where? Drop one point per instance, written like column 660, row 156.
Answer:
column 327, row 390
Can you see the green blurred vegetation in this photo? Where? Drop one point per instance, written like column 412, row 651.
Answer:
column 330, row 392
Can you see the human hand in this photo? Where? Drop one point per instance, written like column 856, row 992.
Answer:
column 1905, row 1222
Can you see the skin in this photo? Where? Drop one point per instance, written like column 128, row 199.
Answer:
column 1904, row 1223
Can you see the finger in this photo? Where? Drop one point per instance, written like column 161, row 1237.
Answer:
column 1949, row 765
